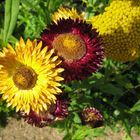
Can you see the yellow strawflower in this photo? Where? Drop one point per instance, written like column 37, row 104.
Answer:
column 66, row 13
column 119, row 26
column 29, row 77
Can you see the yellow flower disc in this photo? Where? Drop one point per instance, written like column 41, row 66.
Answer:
column 29, row 76
column 66, row 13
column 119, row 26
column 72, row 52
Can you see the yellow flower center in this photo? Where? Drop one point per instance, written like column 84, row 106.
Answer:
column 69, row 46
column 90, row 116
column 24, row 78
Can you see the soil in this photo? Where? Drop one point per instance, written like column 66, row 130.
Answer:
column 20, row 130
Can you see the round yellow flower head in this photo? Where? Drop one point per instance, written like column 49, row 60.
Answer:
column 66, row 13
column 29, row 76
column 119, row 26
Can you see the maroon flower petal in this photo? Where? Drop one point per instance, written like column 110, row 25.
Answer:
column 61, row 111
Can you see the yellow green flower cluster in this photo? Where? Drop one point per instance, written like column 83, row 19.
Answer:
column 119, row 26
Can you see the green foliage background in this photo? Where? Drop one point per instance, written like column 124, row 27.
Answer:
column 114, row 89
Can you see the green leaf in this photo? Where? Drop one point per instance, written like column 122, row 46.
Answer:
column 67, row 136
column 111, row 89
column 13, row 40
column 127, row 137
column 127, row 126
column 11, row 13
column 84, row 131
column 76, row 118
column 7, row 18
column 136, row 106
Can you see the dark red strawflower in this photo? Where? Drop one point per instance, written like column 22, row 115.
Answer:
column 61, row 110
column 92, row 117
column 56, row 112
column 42, row 119
column 77, row 44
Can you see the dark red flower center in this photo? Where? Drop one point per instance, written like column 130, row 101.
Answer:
column 69, row 46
